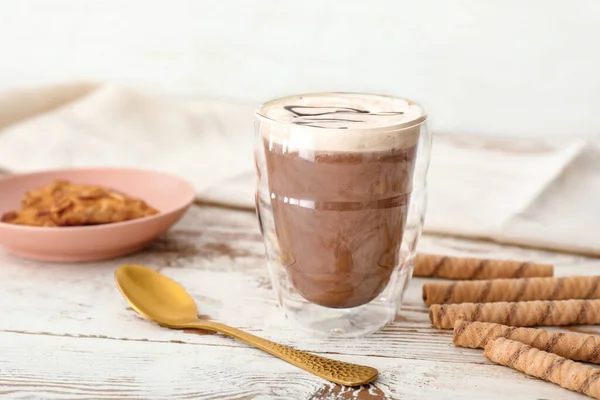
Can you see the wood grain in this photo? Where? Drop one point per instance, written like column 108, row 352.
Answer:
column 66, row 368
column 66, row 333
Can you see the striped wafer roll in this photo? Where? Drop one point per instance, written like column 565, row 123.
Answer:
column 462, row 268
column 571, row 287
column 521, row 313
column 569, row 345
column 547, row 366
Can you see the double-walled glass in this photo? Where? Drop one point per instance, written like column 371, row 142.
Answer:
column 341, row 198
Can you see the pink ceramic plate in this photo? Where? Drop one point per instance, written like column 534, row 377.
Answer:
column 169, row 194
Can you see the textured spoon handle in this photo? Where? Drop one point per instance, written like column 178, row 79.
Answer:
column 332, row 370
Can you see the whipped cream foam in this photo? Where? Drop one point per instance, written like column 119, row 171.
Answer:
column 341, row 122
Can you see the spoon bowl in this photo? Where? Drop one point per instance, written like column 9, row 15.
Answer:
column 155, row 296
column 165, row 302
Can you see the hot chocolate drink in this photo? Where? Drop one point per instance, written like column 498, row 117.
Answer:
column 339, row 170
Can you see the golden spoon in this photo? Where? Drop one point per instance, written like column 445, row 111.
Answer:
column 165, row 302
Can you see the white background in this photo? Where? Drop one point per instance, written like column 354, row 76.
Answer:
column 512, row 67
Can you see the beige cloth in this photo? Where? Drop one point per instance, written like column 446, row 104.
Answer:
column 535, row 195
column 539, row 196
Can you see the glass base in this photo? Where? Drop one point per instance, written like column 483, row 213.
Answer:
column 354, row 322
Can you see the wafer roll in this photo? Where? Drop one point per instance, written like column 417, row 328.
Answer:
column 569, row 345
column 461, row 268
column 521, row 313
column 547, row 366
column 571, row 287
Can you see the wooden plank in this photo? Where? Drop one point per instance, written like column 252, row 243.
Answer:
column 70, row 315
column 39, row 366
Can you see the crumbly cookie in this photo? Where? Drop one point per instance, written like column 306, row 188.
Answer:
column 29, row 216
column 63, row 203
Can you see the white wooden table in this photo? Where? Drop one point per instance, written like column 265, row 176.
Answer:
column 66, row 332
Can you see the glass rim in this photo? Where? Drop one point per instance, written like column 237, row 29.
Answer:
column 405, row 125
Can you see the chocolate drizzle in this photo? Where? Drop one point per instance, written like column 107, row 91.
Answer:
column 310, row 115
